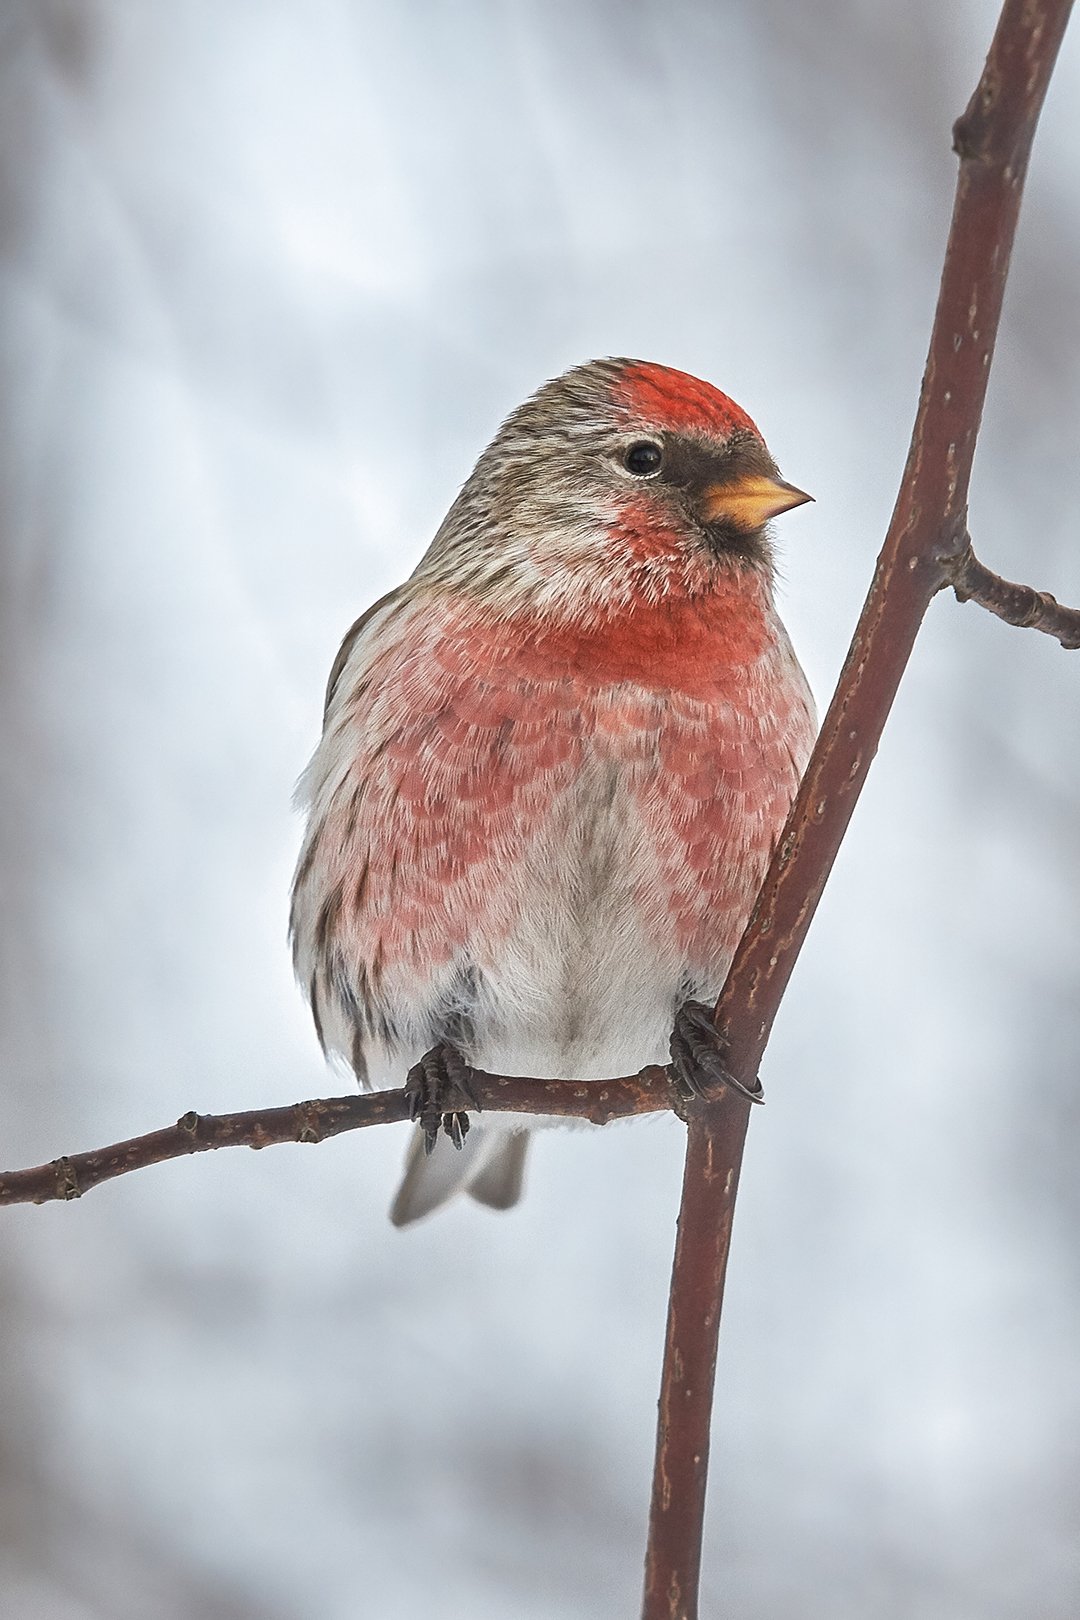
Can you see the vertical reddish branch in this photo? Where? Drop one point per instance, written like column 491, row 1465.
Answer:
column 710, row 1182
column 929, row 524
column 926, row 536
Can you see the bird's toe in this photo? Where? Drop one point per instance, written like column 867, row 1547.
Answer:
column 699, row 1057
column 434, row 1086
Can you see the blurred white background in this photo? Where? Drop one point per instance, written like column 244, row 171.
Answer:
column 272, row 273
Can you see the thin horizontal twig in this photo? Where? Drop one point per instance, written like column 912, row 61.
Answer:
column 1021, row 605
column 596, row 1101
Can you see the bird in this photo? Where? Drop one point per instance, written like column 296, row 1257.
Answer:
column 554, row 765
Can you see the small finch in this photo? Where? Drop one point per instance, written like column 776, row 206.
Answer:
column 554, row 765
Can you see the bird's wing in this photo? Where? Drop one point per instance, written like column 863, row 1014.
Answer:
column 368, row 622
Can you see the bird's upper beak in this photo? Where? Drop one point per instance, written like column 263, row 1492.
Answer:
column 750, row 500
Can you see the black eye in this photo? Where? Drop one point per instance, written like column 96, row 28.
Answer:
column 643, row 459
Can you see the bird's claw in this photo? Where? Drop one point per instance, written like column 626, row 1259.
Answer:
column 698, row 1054
column 435, row 1086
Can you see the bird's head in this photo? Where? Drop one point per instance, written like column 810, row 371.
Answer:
column 619, row 479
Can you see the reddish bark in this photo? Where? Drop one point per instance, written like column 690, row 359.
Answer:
column 925, row 549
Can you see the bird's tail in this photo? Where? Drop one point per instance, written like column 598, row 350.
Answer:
column 489, row 1166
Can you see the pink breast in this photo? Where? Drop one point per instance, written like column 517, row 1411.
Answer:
column 472, row 739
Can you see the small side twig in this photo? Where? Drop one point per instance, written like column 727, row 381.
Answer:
column 1021, row 605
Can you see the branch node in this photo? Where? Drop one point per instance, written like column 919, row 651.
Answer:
column 962, row 143
column 971, row 130
column 308, row 1123
column 67, row 1181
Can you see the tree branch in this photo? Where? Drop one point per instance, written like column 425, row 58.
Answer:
column 69, row 1177
column 924, row 549
column 1016, row 604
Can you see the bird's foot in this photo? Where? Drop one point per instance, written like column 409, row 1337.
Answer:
column 698, row 1058
column 436, row 1087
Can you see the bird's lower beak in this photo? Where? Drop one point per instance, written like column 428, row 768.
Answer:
column 750, row 501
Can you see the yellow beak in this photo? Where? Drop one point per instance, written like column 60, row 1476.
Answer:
column 751, row 501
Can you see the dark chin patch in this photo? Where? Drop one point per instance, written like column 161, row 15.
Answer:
column 745, row 545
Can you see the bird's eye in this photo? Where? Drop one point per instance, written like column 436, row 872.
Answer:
column 643, row 459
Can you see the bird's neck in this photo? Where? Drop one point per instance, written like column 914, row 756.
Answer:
column 685, row 640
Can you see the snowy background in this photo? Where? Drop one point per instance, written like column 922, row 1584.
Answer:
column 272, row 273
